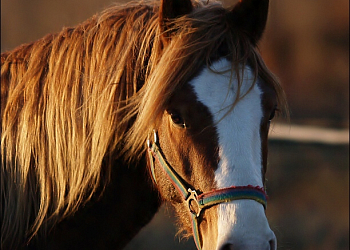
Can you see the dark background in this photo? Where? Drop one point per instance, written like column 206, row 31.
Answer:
column 306, row 44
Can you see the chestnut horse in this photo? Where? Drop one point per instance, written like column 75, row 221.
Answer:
column 78, row 107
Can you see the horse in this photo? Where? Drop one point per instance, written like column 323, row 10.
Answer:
column 142, row 104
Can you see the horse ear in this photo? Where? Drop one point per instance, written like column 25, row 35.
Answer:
column 171, row 9
column 250, row 16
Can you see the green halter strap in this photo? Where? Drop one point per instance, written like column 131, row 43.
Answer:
column 196, row 203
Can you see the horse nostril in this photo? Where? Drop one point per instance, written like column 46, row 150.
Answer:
column 227, row 247
column 273, row 244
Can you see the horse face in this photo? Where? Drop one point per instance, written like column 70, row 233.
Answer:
column 213, row 141
column 213, row 147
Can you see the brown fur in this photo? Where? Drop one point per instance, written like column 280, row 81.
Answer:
column 72, row 101
column 191, row 151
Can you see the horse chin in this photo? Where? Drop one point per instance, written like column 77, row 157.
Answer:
column 209, row 229
column 208, row 226
column 183, row 222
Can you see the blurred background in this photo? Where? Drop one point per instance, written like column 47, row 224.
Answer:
column 306, row 44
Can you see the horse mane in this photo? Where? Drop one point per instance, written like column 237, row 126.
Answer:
column 72, row 102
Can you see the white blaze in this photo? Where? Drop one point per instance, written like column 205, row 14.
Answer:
column 239, row 151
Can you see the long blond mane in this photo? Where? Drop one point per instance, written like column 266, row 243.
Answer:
column 72, row 102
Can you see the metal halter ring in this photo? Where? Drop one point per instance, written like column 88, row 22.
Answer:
column 193, row 197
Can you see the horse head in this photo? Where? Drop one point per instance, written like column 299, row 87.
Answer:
column 211, row 139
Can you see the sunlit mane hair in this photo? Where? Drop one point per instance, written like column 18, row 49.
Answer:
column 72, row 102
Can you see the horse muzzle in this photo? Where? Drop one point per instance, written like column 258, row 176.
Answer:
column 242, row 225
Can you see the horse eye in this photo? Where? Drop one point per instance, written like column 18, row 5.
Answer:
column 177, row 119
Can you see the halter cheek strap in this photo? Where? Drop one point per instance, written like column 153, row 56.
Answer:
column 196, row 203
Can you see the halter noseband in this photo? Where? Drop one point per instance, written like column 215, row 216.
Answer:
column 196, row 203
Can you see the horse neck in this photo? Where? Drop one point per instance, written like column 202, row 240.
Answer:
column 110, row 221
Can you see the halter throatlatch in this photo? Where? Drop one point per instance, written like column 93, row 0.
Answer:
column 197, row 202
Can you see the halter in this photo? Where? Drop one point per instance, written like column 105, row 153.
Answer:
column 196, row 203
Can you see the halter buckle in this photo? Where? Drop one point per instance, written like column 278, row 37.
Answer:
column 155, row 139
column 192, row 203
